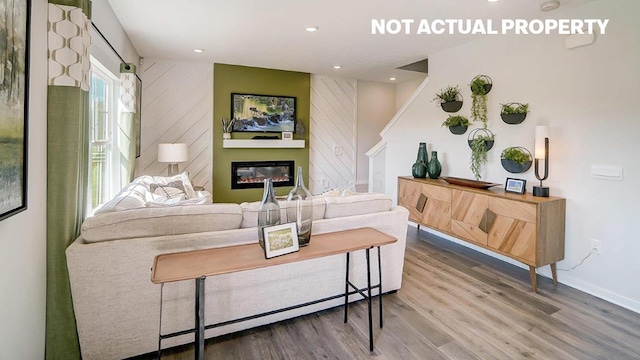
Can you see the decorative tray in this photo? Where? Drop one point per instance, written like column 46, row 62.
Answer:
column 469, row 183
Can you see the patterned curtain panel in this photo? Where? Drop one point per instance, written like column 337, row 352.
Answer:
column 69, row 42
column 128, row 122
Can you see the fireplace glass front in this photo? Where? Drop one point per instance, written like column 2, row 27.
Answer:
column 251, row 174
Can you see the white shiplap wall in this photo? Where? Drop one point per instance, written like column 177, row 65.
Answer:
column 333, row 124
column 177, row 106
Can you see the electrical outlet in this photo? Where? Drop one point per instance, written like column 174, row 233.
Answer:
column 596, row 246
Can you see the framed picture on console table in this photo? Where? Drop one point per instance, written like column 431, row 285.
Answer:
column 14, row 95
column 280, row 240
column 517, row 186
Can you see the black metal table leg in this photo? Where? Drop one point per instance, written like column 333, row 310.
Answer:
column 160, row 324
column 199, row 353
column 369, row 301
column 380, row 284
column 346, row 291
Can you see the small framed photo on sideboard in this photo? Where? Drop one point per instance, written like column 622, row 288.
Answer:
column 280, row 240
column 287, row 135
column 517, row 186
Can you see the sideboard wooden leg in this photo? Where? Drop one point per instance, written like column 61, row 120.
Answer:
column 534, row 280
column 554, row 273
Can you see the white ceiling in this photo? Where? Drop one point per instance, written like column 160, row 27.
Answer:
column 271, row 33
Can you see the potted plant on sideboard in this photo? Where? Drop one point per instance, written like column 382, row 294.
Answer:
column 514, row 113
column 449, row 99
column 457, row 124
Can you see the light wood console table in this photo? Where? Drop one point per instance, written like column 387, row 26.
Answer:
column 523, row 227
column 199, row 264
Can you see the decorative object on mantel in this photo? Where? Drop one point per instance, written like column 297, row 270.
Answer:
column 541, row 152
column 434, row 168
column 480, row 141
column 419, row 168
column 457, row 124
column 469, row 183
column 516, row 159
column 173, row 154
column 227, row 128
column 301, row 128
column 480, row 87
column 269, row 211
column 514, row 113
column 449, row 99
column 300, row 209
column 287, row 135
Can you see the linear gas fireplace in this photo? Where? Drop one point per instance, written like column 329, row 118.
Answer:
column 251, row 174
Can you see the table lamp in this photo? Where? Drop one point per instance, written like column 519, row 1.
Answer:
column 173, row 154
column 541, row 152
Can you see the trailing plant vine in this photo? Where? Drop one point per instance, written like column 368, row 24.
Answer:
column 479, row 100
column 479, row 153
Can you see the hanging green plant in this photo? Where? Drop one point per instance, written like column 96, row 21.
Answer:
column 479, row 143
column 457, row 124
column 480, row 87
column 449, row 99
column 516, row 159
column 513, row 113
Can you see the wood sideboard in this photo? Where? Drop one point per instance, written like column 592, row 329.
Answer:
column 526, row 228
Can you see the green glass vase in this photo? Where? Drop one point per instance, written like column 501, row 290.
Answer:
column 419, row 168
column 434, row 168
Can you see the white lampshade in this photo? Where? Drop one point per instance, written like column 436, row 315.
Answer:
column 542, row 132
column 173, row 153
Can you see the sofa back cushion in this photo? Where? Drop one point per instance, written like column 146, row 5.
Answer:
column 250, row 212
column 174, row 220
column 360, row 204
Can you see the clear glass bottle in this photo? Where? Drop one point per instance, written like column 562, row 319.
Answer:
column 269, row 212
column 300, row 209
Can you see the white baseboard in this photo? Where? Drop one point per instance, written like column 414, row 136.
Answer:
column 566, row 278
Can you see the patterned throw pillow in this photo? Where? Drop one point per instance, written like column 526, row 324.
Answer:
column 172, row 190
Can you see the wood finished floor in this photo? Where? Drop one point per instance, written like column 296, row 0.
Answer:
column 454, row 303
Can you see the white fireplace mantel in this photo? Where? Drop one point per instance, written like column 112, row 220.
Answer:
column 262, row 143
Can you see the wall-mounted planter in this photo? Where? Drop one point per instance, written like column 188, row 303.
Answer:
column 458, row 129
column 451, row 106
column 514, row 118
column 481, row 132
column 488, row 84
column 516, row 166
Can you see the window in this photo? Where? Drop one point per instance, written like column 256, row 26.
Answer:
column 103, row 159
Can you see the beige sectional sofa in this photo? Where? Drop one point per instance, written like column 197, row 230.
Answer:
column 117, row 306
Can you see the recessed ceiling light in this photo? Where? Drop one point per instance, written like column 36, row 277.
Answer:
column 337, row 66
column 493, row 0
column 198, row 50
column 549, row 5
column 392, row 78
column 311, row 28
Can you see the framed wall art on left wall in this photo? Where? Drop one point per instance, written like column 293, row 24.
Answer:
column 14, row 96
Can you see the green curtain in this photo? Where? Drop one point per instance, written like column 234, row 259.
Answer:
column 67, row 168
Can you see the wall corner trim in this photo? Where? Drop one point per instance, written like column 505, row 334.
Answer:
column 404, row 107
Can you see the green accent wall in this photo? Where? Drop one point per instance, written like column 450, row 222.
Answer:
column 251, row 80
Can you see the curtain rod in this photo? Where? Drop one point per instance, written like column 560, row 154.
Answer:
column 126, row 65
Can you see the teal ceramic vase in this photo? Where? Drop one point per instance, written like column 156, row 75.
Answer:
column 419, row 168
column 434, row 168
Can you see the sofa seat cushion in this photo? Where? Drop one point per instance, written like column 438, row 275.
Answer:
column 365, row 203
column 174, row 220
